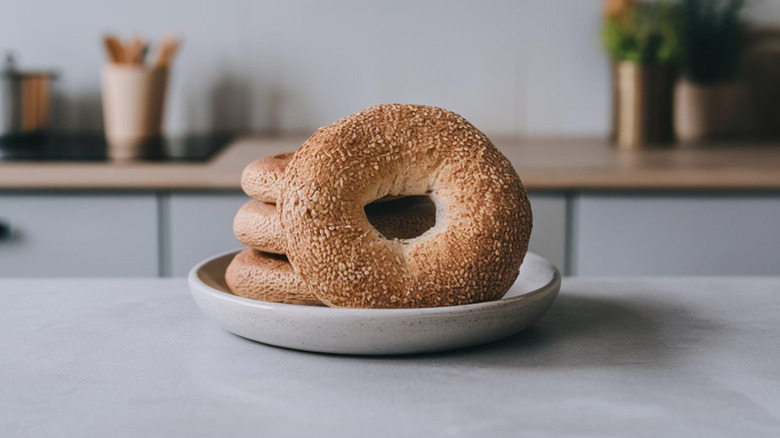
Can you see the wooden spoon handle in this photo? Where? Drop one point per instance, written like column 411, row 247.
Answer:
column 116, row 53
column 168, row 48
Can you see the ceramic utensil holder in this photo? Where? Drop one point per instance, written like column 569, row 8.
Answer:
column 133, row 105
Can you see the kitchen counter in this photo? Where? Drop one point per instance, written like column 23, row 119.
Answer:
column 546, row 164
column 618, row 357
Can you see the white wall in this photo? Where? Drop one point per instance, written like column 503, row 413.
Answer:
column 532, row 67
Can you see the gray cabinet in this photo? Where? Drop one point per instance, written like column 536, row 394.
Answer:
column 120, row 234
column 548, row 238
column 197, row 226
column 662, row 234
column 79, row 235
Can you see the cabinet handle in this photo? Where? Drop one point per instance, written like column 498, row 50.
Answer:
column 5, row 230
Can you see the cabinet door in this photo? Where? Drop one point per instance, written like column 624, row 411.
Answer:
column 198, row 225
column 79, row 235
column 548, row 238
column 660, row 234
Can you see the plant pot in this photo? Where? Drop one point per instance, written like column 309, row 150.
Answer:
column 705, row 112
column 759, row 81
column 642, row 100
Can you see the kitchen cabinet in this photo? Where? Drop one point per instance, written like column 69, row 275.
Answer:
column 199, row 225
column 584, row 233
column 666, row 234
column 79, row 235
column 548, row 237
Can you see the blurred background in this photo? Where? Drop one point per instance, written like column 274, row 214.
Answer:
column 643, row 156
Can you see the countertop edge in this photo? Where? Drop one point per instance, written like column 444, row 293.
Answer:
column 543, row 165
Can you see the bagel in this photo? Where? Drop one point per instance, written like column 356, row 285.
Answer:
column 257, row 226
column 260, row 179
column 483, row 217
column 267, row 277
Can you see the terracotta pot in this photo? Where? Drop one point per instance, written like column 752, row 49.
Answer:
column 642, row 103
column 705, row 112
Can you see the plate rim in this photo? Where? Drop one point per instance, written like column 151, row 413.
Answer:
column 334, row 312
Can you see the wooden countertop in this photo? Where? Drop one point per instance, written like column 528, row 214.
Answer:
column 543, row 164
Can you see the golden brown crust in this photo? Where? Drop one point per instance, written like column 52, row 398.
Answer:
column 257, row 225
column 266, row 277
column 260, row 179
column 472, row 254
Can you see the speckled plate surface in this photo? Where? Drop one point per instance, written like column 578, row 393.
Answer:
column 376, row 331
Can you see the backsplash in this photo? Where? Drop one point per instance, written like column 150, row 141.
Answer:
column 511, row 67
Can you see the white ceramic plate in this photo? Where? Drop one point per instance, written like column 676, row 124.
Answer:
column 376, row 331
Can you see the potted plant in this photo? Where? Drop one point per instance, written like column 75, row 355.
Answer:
column 642, row 40
column 712, row 38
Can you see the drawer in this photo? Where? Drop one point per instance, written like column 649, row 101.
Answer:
column 663, row 234
column 79, row 235
column 197, row 226
column 548, row 237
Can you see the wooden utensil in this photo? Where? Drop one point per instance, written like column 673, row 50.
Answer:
column 138, row 46
column 133, row 53
column 130, row 53
column 114, row 48
column 168, row 48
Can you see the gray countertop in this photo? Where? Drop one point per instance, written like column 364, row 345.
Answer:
column 618, row 357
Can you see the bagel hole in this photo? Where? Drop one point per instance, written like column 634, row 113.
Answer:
column 279, row 257
column 403, row 218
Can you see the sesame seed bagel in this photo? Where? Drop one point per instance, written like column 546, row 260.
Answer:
column 483, row 217
column 257, row 224
column 260, row 179
column 267, row 277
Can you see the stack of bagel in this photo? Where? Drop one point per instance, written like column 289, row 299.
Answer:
column 396, row 206
column 262, row 271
